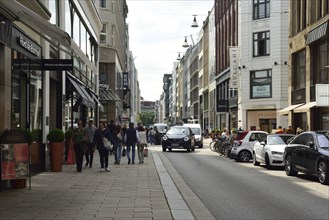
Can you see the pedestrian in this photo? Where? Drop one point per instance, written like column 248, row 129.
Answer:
column 78, row 137
column 101, row 133
column 111, row 127
column 289, row 130
column 299, row 131
column 142, row 143
column 119, row 141
column 131, row 141
column 89, row 133
column 279, row 131
column 151, row 134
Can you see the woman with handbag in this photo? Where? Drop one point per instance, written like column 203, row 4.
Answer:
column 99, row 139
column 142, row 143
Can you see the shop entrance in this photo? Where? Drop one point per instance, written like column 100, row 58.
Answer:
column 267, row 125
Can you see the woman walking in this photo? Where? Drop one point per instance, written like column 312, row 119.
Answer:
column 78, row 137
column 142, row 142
column 101, row 133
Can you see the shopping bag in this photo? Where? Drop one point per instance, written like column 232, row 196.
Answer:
column 70, row 159
column 146, row 152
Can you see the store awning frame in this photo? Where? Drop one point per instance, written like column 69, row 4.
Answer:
column 99, row 104
column 86, row 99
column 305, row 108
column 285, row 111
column 108, row 95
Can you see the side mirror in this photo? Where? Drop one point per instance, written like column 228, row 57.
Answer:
column 310, row 144
column 262, row 143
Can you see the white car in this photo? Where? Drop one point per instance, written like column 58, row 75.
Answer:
column 196, row 129
column 243, row 145
column 269, row 151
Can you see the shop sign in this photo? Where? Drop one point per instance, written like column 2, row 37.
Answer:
column 234, row 67
column 25, row 45
column 14, row 161
column 125, row 80
column 222, row 105
column 322, row 95
column 57, row 64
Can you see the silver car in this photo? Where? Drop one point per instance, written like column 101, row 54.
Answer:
column 269, row 151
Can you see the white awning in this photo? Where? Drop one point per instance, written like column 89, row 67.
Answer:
column 286, row 110
column 305, row 108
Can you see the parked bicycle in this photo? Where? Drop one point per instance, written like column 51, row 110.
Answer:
column 221, row 145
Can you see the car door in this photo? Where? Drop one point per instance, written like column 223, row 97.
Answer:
column 310, row 154
column 262, row 148
column 297, row 152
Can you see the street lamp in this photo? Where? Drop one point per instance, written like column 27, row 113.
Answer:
column 185, row 44
column 179, row 57
column 194, row 23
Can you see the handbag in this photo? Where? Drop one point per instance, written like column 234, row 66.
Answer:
column 124, row 152
column 107, row 144
column 146, row 152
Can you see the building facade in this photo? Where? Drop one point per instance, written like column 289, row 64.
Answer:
column 308, row 84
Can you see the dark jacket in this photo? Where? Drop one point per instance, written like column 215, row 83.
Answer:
column 131, row 136
column 98, row 138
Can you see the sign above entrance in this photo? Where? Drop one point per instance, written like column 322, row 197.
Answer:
column 44, row 64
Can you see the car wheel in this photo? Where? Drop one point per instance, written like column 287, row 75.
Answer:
column 254, row 160
column 267, row 162
column 188, row 149
column 201, row 146
column 163, row 149
column 244, row 156
column 170, row 149
column 288, row 167
column 323, row 173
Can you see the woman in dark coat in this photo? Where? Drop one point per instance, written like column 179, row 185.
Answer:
column 101, row 133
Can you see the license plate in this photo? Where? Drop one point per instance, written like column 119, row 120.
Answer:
column 174, row 145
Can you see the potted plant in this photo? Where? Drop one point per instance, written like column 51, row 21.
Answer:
column 35, row 148
column 69, row 151
column 56, row 140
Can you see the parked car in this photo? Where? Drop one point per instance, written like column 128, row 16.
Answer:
column 287, row 138
column 160, row 129
column 269, row 151
column 196, row 129
column 178, row 137
column 308, row 153
column 243, row 144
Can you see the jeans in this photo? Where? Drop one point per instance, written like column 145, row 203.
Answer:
column 151, row 139
column 79, row 156
column 133, row 149
column 140, row 152
column 118, row 152
column 90, row 154
column 104, row 157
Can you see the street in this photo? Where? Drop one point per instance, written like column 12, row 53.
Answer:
column 232, row 190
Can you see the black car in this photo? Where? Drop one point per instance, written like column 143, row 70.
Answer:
column 308, row 153
column 178, row 137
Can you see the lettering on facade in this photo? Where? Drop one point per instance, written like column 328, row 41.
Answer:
column 125, row 80
column 234, row 67
column 28, row 46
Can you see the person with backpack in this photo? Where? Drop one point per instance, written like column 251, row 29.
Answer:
column 131, row 138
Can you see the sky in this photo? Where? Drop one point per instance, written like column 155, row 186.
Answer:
column 156, row 33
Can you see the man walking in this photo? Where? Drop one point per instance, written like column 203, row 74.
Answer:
column 89, row 133
column 131, row 139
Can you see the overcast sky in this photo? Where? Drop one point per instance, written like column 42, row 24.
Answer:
column 156, row 30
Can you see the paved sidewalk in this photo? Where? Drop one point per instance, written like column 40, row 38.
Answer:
column 139, row 191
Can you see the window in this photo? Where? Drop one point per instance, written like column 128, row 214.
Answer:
column 53, row 9
column 320, row 73
column 261, row 9
column 261, row 44
column 261, row 84
column 299, row 70
column 103, row 35
column 102, row 3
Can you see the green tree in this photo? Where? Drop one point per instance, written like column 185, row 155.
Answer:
column 147, row 117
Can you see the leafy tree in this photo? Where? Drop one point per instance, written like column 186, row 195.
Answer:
column 147, row 117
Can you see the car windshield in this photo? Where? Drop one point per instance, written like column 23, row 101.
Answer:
column 273, row 140
column 176, row 130
column 286, row 138
column 323, row 141
column 160, row 127
column 196, row 131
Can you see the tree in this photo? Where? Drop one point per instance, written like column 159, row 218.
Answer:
column 147, row 117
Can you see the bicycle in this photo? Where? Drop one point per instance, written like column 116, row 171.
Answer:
column 213, row 145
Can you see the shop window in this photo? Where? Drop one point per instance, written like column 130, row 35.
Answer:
column 320, row 57
column 299, row 70
column 103, row 35
column 261, row 9
column 261, row 84
column 261, row 42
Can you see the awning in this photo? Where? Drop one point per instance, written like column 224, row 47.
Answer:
column 85, row 97
column 286, row 110
column 108, row 95
column 305, row 108
column 99, row 105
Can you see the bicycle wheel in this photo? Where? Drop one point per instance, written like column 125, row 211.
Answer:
column 212, row 145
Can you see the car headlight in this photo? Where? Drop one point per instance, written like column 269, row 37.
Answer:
column 164, row 138
column 186, row 138
column 276, row 153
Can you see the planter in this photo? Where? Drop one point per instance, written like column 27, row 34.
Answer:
column 56, row 156
column 18, row 184
column 35, row 149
